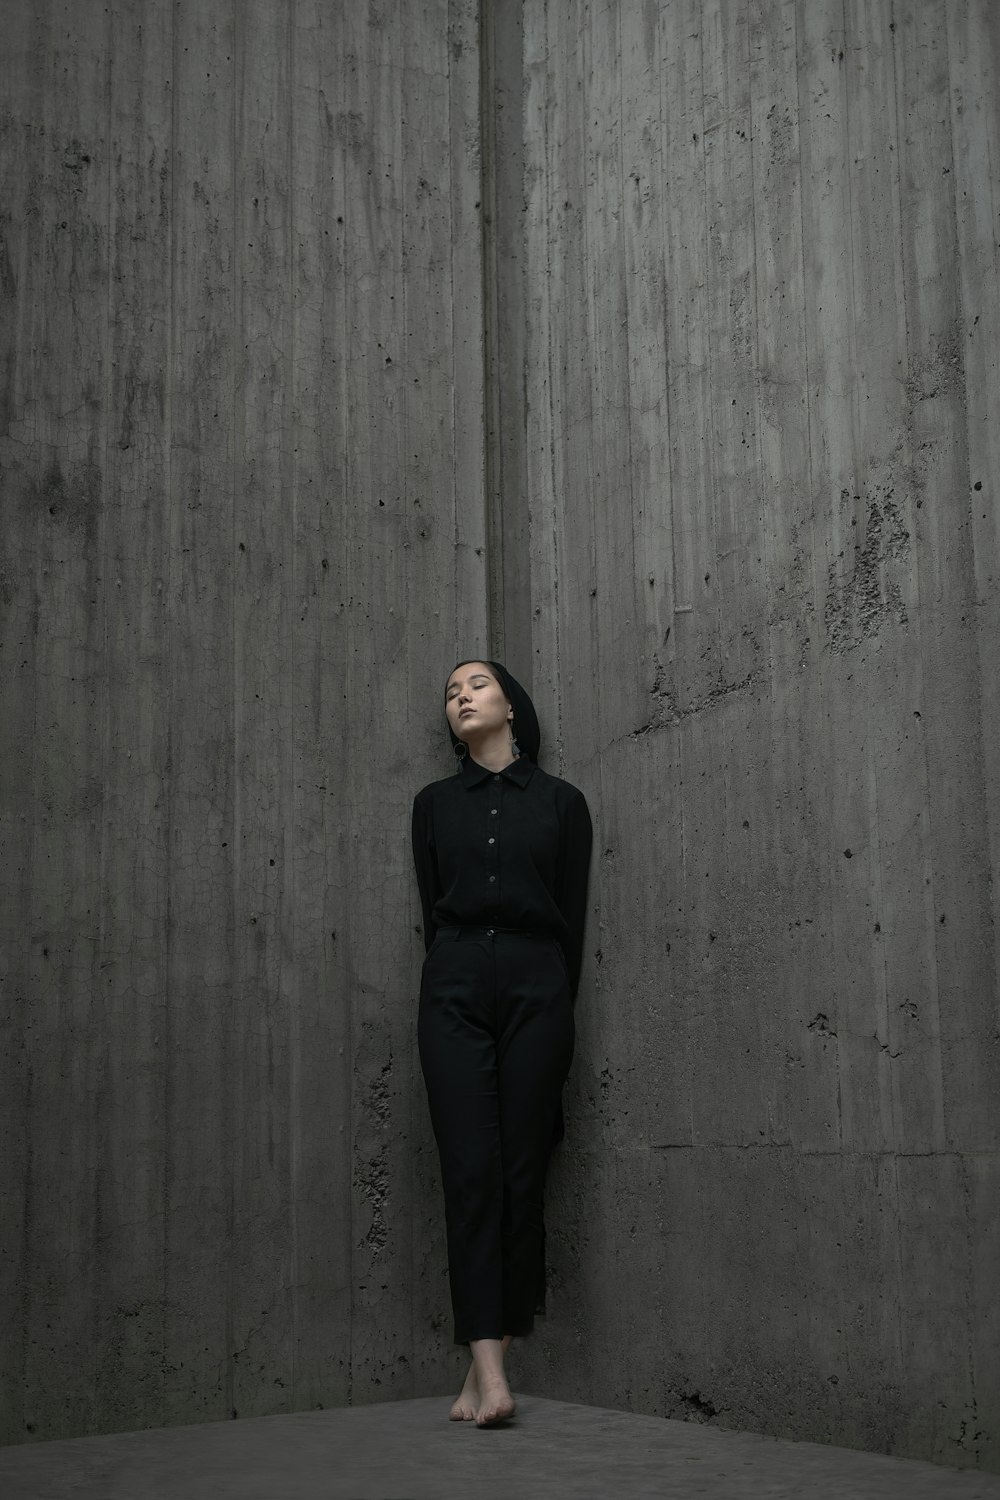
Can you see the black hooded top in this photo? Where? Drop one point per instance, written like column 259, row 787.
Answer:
column 505, row 849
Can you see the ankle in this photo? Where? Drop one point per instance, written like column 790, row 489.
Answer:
column 487, row 1357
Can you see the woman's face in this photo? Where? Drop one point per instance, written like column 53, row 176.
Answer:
column 475, row 702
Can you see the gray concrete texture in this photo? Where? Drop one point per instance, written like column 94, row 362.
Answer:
column 666, row 371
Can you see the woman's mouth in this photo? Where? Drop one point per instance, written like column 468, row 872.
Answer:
column 466, row 711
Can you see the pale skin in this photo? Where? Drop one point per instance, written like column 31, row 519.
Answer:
column 487, row 731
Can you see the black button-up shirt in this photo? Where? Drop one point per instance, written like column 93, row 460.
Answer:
column 506, row 848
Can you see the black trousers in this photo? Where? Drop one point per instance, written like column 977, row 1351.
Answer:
column 495, row 1034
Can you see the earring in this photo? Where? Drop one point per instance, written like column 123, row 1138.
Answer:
column 515, row 748
column 461, row 751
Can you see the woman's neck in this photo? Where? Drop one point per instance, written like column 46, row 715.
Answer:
column 494, row 754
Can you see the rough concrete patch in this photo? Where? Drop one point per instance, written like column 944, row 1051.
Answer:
column 938, row 370
column 371, row 1180
column 689, row 1406
column 377, row 1100
column 781, row 129
column 821, row 1024
column 865, row 596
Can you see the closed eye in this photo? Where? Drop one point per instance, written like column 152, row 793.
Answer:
column 483, row 682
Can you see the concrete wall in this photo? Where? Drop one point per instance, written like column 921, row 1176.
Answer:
column 726, row 497
column 244, row 540
column 762, row 318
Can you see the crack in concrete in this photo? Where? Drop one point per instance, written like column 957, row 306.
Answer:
column 667, row 711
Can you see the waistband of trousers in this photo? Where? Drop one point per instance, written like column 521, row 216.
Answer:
column 484, row 931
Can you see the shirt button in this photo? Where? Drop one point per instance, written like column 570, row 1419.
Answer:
column 492, row 841
column 493, row 811
column 492, row 878
column 489, row 932
column 497, row 776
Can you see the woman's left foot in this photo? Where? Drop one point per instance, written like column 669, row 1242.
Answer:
column 497, row 1403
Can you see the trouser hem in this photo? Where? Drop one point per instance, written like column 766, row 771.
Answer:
column 515, row 1333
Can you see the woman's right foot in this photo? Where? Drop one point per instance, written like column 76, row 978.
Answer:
column 497, row 1403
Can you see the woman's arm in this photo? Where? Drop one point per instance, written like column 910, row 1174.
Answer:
column 576, row 836
column 425, row 862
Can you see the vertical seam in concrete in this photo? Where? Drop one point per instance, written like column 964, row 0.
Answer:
column 232, row 1040
column 504, row 321
column 99, row 1083
column 492, row 467
column 168, row 607
column 628, row 331
column 961, row 1157
column 840, row 1049
column 288, row 946
column 550, row 371
column 347, row 927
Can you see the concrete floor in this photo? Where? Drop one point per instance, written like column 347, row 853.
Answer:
column 408, row 1450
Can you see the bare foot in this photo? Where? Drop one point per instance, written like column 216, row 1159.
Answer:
column 497, row 1403
column 467, row 1402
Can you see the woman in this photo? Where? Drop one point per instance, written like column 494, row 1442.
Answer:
column 502, row 854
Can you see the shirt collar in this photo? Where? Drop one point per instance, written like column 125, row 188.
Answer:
column 519, row 771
